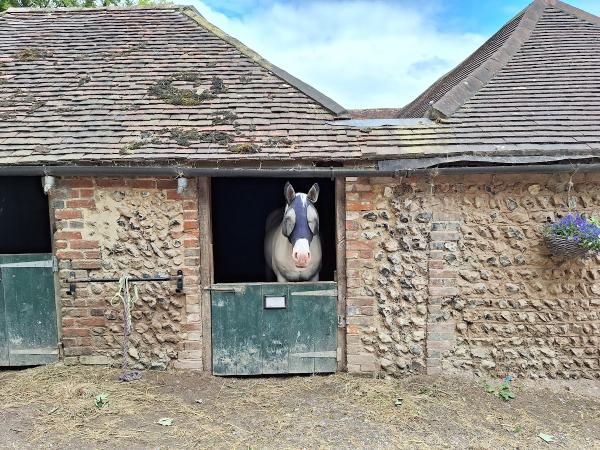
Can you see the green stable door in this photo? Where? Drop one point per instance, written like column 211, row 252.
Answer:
column 28, row 328
column 274, row 328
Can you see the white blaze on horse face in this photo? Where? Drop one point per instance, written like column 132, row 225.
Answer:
column 301, row 253
column 303, row 198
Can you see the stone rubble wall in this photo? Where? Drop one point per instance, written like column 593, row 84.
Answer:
column 444, row 274
column 387, row 272
column 457, row 277
column 140, row 227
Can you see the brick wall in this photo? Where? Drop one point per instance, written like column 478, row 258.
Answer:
column 444, row 275
column 469, row 250
column 107, row 227
column 360, row 302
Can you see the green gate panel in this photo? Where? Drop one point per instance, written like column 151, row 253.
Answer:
column 27, row 286
column 321, row 326
column 302, row 337
column 248, row 334
column 237, row 344
column 249, row 338
column 275, row 328
column 3, row 336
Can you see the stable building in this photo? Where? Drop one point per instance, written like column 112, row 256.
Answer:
column 146, row 142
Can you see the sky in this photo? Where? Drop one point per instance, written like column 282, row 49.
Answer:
column 366, row 53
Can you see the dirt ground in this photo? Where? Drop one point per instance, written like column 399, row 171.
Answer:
column 55, row 407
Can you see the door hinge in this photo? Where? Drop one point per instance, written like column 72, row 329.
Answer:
column 54, row 264
column 28, row 264
column 341, row 322
column 35, row 351
column 326, row 354
column 321, row 293
column 230, row 289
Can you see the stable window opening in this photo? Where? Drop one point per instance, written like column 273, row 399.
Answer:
column 24, row 216
column 240, row 207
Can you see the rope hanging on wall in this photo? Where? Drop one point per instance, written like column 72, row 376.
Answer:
column 127, row 294
column 432, row 174
column 570, row 204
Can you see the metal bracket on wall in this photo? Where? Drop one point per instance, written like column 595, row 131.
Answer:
column 73, row 282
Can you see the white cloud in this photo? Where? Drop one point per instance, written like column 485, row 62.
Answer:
column 591, row 6
column 362, row 54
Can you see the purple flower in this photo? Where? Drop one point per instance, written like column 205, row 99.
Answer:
column 578, row 228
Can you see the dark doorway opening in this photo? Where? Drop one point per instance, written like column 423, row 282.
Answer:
column 24, row 217
column 240, row 207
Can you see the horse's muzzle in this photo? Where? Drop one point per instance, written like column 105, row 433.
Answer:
column 301, row 259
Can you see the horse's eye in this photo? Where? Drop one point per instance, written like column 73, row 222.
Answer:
column 289, row 221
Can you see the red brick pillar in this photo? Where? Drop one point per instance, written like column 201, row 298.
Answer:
column 190, row 356
column 360, row 306
column 77, row 256
column 443, row 275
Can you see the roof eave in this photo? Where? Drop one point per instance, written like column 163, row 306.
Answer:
column 167, row 6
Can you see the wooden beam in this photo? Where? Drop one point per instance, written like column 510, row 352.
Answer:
column 206, row 268
column 340, row 238
column 57, row 286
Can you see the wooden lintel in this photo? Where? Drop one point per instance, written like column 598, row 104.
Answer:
column 206, row 268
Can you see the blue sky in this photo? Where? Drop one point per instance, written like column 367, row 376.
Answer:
column 366, row 53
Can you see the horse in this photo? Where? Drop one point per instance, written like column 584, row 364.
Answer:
column 292, row 243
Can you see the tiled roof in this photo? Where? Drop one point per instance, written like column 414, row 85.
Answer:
column 419, row 106
column 151, row 85
column 162, row 85
column 537, row 93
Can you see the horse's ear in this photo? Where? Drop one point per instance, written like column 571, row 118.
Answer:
column 313, row 194
column 289, row 193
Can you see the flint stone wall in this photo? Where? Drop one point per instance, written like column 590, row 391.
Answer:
column 139, row 227
column 457, row 277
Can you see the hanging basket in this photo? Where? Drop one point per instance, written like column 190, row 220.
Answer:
column 562, row 246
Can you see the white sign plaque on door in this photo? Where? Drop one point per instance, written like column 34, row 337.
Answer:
column 275, row 302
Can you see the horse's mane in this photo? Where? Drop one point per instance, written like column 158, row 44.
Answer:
column 274, row 219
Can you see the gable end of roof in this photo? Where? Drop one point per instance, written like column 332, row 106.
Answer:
column 423, row 103
column 448, row 94
column 303, row 87
column 462, row 92
column 579, row 13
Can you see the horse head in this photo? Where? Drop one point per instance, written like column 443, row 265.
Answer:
column 300, row 222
